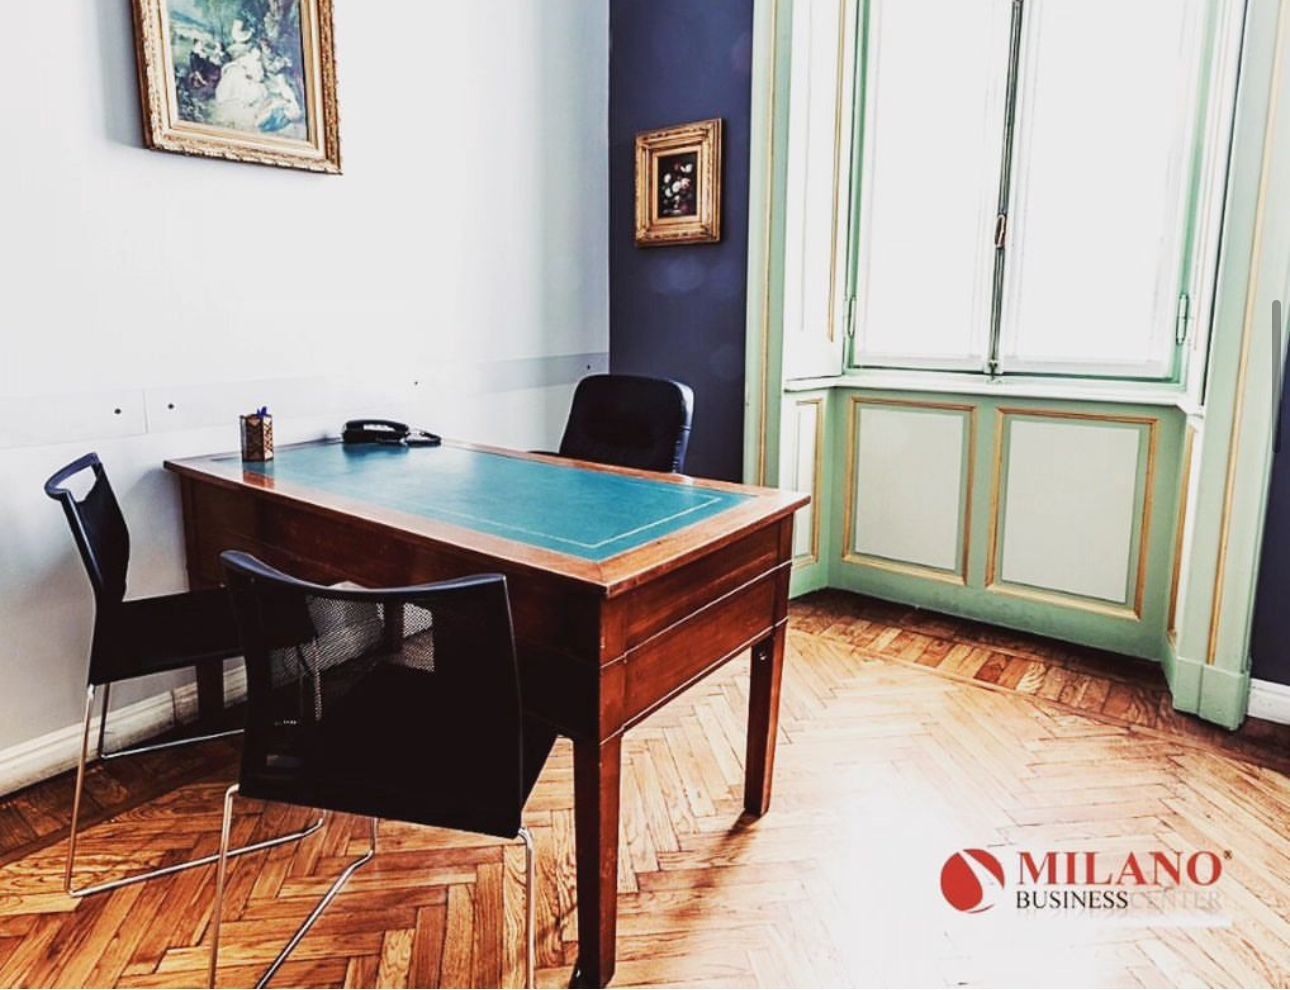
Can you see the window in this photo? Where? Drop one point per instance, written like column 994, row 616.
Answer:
column 933, row 127
column 1028, row 174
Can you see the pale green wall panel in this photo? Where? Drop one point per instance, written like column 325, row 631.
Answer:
column 804, row 466
column 768, row 170
column 1207, row 665
column 1069, row 617
column 1217, row 608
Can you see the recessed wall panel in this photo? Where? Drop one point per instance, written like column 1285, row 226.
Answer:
column 802, row 473
column 908, row 494
column 1070, row 491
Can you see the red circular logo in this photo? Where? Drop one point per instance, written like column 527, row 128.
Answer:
column 972, row 880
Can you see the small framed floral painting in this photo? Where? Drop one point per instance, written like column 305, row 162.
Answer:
column 247, row 80
column 678, row 185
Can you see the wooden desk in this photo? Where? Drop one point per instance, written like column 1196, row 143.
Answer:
column 658, row 580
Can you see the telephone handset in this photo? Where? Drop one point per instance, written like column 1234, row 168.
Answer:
column 386, row 431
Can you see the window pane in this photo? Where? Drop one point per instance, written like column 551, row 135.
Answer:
column 936, row 84
column 1108, row 93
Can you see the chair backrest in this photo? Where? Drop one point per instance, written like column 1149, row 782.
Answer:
column 98, row 527
column 399, row 703
column 630, row 421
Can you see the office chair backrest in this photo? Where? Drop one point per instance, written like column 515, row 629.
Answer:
column 630, row 421
column 98, row 526
column 399, row 703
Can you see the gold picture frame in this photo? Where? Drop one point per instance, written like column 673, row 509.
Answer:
column 258, row 88
column 678, row 185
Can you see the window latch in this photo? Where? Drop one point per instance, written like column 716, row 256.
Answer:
column 851, row 317
column 1000, row 231
column 1184, row 319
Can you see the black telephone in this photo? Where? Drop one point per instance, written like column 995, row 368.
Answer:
column 387, row 431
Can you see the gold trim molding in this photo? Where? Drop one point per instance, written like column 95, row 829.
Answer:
column 768, row 220
column 1184, row 498
column 1248, row 320
column 849, row 553
column 838, row 109
column 993, row 581
column 817, row 476
column 906, row 568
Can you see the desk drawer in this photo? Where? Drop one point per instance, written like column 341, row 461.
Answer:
column 663, row 666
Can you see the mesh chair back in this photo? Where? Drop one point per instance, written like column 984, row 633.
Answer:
column 395, row 703
column 98, row 527
column 630, row 421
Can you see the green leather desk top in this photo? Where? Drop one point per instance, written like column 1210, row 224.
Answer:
column 584, row 513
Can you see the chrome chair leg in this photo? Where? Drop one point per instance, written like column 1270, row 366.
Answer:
column 221, row 872
column 309, row 922
column 103, row 753
column 80, row 788
column 161, row 871
column 530, row 900
column 530, row 910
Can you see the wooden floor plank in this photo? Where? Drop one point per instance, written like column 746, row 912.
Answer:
column 905, row 737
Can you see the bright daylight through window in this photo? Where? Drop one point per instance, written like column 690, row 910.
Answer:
column 1030, row 207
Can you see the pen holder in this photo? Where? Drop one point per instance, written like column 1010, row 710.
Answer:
column 257, row 437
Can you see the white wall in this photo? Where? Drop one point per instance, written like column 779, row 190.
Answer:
column 455, row 275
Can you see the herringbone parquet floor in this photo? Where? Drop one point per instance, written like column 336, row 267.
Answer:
column 884, row 770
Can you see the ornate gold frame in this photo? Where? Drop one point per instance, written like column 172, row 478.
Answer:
column 164, row 131
column 703, row 137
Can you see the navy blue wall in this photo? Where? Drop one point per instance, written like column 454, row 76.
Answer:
column 678, row 312
column 1270, row 646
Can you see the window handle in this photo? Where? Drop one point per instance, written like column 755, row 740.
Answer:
column 1000, row 231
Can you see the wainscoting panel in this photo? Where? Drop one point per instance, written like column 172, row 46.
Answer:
column 910, row 486
column 44, row 419
column 1056, row 517
column 1070, row 491
column 803, row 470
column 37, row 420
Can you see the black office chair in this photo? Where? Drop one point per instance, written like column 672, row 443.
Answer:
column 629, row 421
column 136, row 638
column 399, row 703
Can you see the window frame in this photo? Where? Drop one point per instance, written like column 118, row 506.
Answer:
column 1210, row 120
column 861, row 242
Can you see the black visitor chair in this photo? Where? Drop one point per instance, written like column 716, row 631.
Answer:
column 399, row 703
column 629, row 421
column 135, row 638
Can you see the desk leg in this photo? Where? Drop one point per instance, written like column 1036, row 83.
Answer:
column 763, row 720
column 595, row 797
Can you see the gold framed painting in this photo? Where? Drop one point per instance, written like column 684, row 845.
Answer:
column 678, row 185
column 246, row 80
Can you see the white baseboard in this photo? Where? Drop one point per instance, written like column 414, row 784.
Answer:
column 1269, row 700
column 43, row 757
